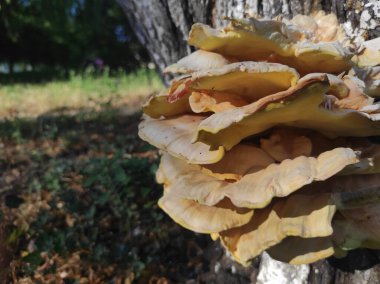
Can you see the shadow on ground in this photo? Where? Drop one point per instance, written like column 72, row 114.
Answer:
column 79, row 203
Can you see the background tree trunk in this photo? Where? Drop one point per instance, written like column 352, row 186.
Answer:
column 162, row 26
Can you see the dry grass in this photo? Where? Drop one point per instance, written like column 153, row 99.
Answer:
column 31, row 100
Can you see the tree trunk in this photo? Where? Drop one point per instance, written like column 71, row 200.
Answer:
column 162, row 27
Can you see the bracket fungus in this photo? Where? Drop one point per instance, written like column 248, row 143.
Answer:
column 265, row 138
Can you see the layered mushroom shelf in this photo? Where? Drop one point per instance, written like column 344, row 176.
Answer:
column 268, row 138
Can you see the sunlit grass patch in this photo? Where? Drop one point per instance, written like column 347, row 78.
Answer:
column 78, row 92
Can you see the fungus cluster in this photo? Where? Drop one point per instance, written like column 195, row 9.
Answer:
column 267, row 139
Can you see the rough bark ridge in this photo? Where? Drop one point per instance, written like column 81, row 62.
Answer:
column 162, row 27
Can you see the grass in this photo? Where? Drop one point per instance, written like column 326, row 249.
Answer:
column 87, row 182
column 78, row 92
column 81, row 196
column 78, row 196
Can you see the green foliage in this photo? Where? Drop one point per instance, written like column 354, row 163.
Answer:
column 78, row 187
column 113, row 198
column 100, row 198
column 70, row 34
column 91, row 195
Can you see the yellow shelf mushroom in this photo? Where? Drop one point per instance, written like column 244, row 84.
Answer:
column 262, row 159
column 271, row 40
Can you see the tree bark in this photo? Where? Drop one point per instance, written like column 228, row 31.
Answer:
column 162, row 27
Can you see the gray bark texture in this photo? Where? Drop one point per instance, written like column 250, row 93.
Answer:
column 162, row 27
